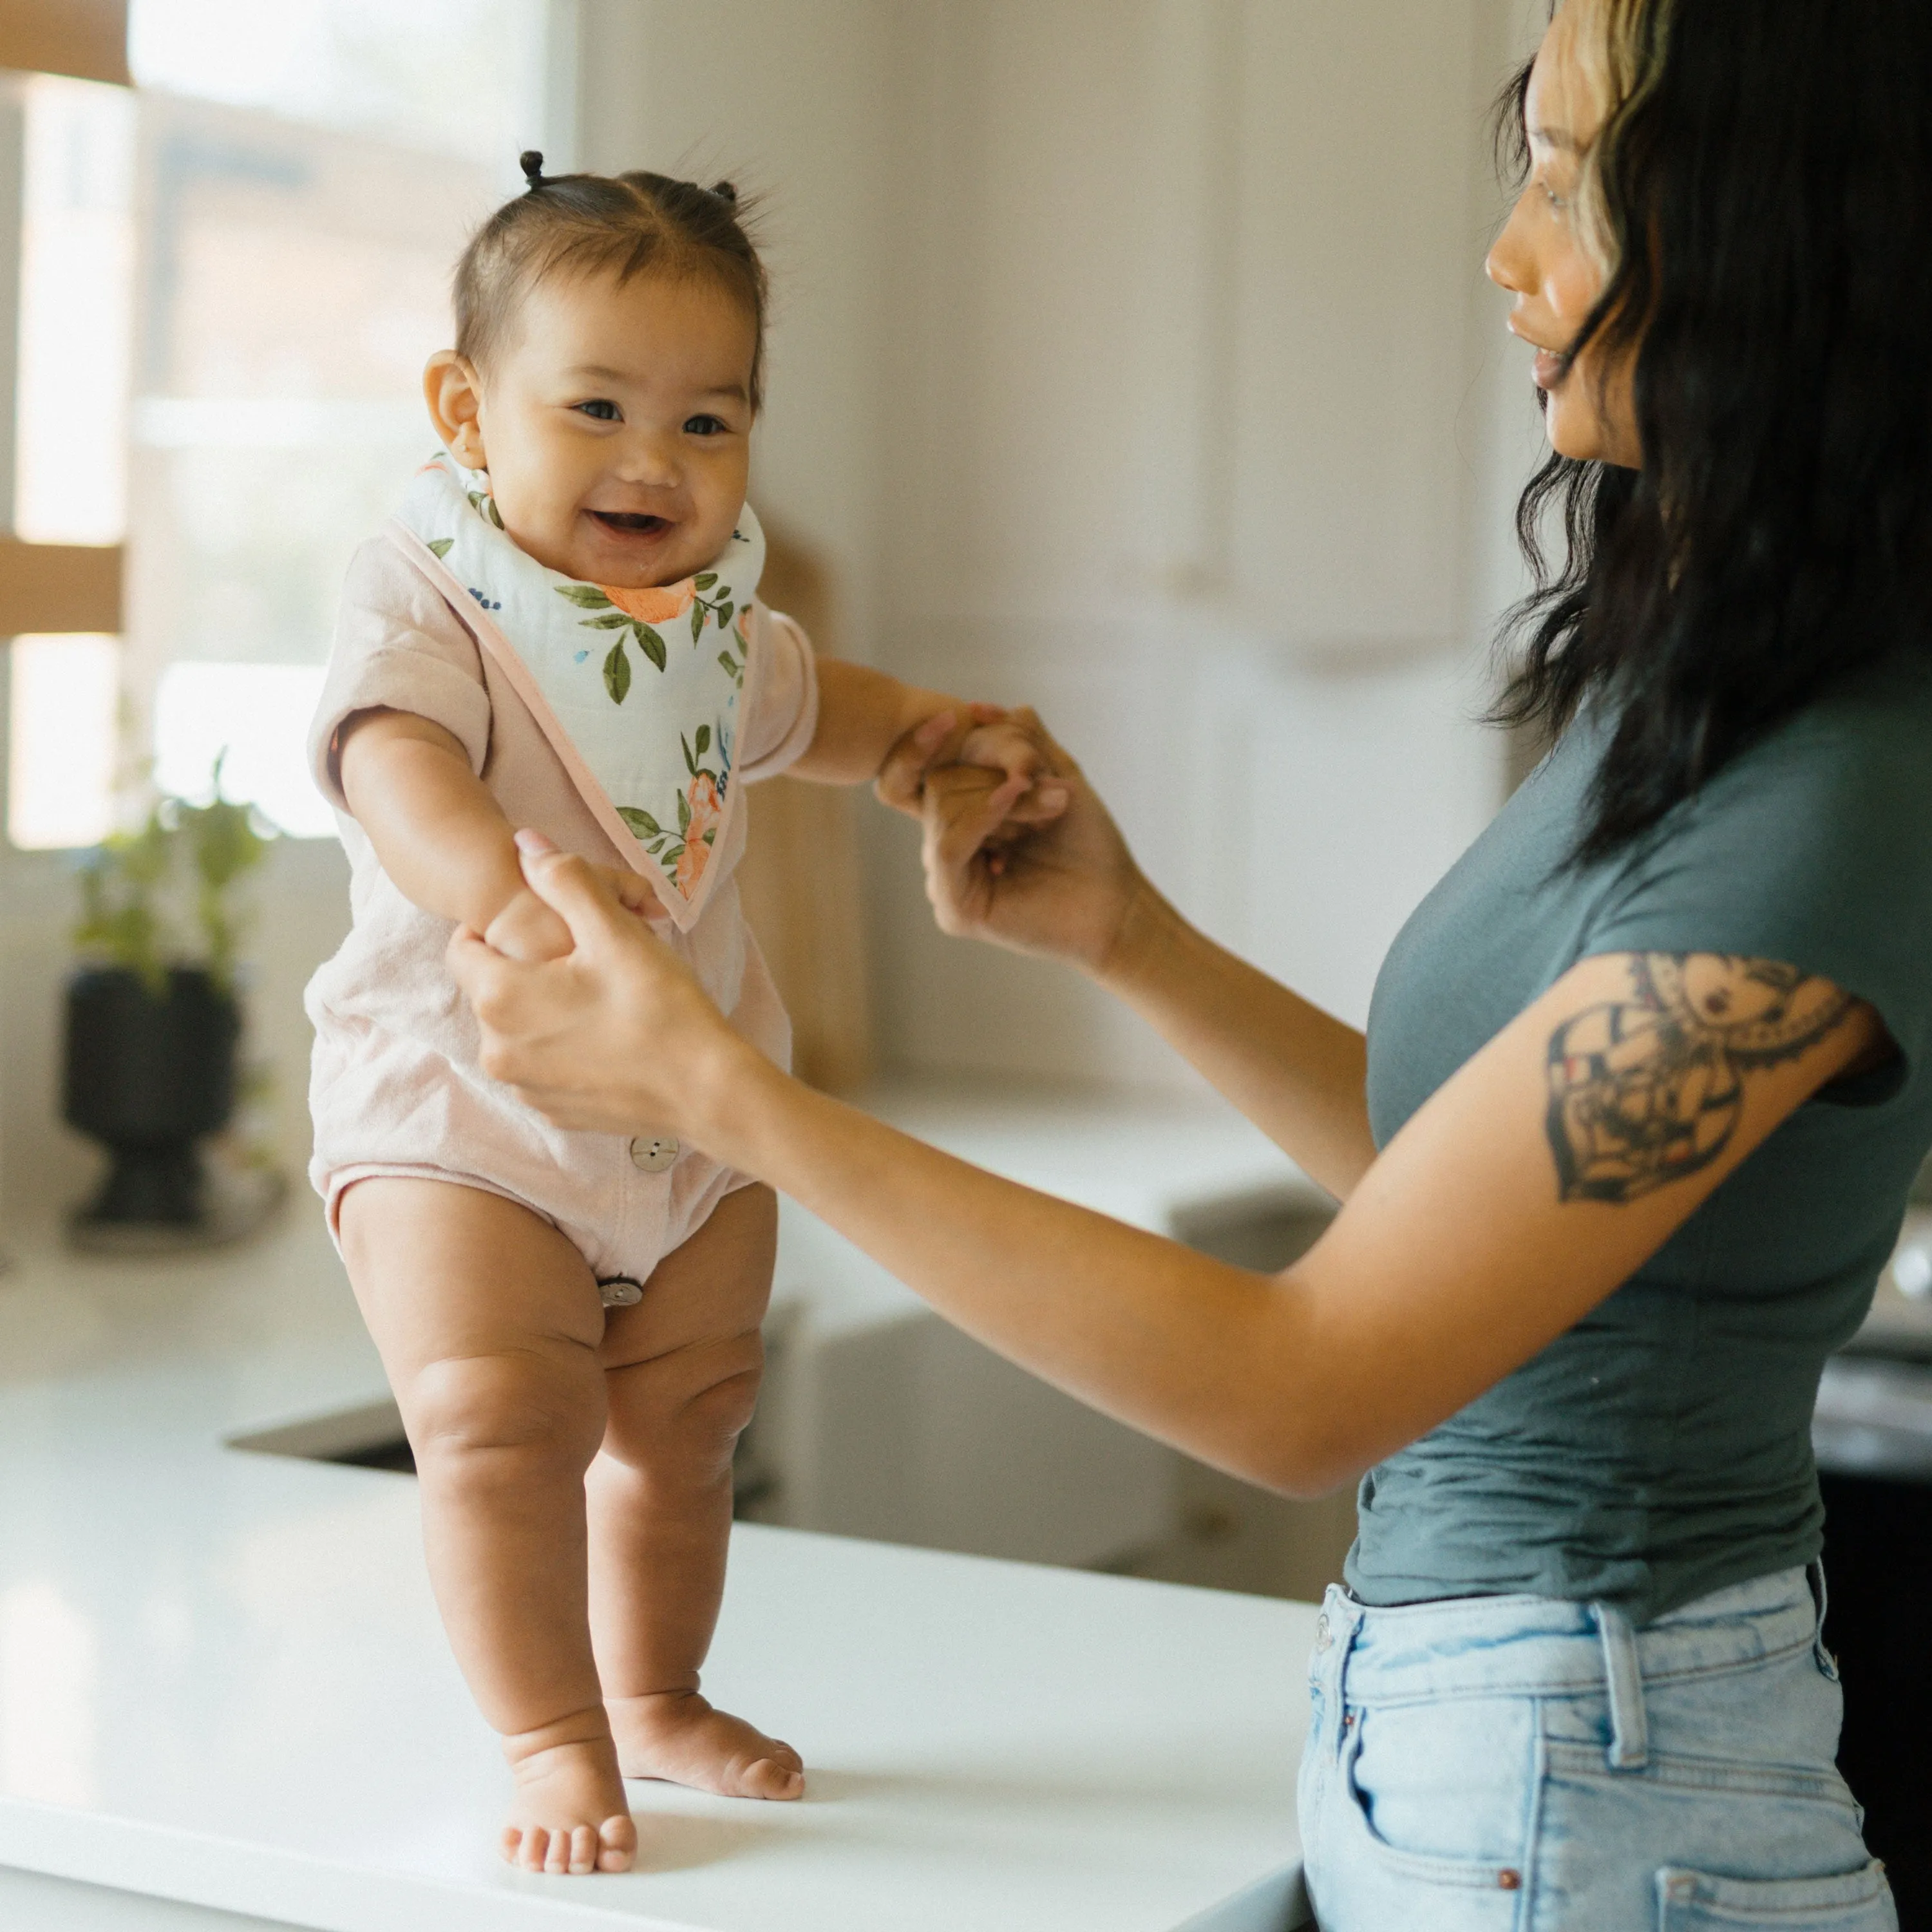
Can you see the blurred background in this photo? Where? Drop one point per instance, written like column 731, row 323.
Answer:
column 1131, row 359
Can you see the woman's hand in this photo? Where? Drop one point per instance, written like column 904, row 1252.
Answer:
column 615, row 1036
column 1066, row 887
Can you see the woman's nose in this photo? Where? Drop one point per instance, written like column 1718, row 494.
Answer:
column 1507, row 264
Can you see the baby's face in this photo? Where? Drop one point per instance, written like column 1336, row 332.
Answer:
column 615, row 425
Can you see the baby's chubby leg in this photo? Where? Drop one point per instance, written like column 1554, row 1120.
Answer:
column 488, row 1322
column 682, row 1369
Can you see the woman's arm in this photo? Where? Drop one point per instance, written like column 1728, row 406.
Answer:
column 440, row 835
column 1533, row 1183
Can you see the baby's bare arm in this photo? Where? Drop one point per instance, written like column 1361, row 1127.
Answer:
column 862, row 714
column 440, row 834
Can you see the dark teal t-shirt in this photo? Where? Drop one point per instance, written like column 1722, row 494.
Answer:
column 1661, row 1448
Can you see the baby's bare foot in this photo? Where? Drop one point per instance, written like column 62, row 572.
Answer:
column 677, row 1736
column 569, row 1813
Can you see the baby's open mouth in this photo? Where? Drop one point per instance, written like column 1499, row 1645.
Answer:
column 629, row 522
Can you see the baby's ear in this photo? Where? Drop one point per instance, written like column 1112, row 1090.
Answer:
column 455, row 394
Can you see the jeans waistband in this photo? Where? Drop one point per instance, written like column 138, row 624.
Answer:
column 1538, row 1646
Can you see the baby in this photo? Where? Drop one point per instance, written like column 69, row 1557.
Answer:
column 561, row 632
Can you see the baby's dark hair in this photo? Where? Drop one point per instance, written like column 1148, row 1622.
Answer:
column 625, row 225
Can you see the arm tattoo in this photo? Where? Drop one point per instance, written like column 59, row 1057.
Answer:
column 1649, row 1088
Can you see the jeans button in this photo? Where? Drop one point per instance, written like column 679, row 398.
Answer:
column 1323, row 1637
column 654, row 1152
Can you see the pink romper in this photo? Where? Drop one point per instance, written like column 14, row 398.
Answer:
column 394, row 1086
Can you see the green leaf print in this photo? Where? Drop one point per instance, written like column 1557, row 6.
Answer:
column 650, row 643
column 705, row 582
column 617, row 673
column 611, row 620
column 640, row 822
column 585, row 596
column 730, row 664
column 697, row 622
column 703, row 743
column 683, row 813
column 690, row 763
column 724, row 615
column 439, row 546
column 485, row 507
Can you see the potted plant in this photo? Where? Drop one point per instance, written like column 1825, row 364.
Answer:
column 154, row 1020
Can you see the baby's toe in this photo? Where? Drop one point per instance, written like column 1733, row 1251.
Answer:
column 556, row 1860
column 511, row 1844
column 772, row 1777
column 618, row 1844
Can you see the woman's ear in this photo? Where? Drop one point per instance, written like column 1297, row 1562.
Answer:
column 455, row 394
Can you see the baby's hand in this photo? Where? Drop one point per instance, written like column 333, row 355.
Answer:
column 527, row 930
column 1012, row 743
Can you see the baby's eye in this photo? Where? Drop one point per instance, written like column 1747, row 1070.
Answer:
column 706, row 426
column 601, row 408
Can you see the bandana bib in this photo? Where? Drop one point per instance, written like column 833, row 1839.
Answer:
column 637, row 690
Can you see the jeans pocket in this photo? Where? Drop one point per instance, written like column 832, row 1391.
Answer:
column 1854, row 1901
column 1500, row 1874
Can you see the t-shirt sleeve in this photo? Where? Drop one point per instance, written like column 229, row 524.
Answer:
column 781, row 696
column 399, row 647
column 1814, row 849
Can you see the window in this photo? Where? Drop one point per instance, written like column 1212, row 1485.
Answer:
column 230, row 280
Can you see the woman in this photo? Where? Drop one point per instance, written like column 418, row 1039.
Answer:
column 1645, row 1077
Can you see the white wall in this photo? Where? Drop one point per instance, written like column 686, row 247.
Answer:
column 1208, row 430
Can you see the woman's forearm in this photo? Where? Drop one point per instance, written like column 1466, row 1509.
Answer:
column 1298, row 1073
column 1219, row 1361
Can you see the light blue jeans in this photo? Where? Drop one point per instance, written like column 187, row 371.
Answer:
column 1517, row 1764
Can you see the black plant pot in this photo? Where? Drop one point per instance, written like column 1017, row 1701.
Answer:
column 149, row 1075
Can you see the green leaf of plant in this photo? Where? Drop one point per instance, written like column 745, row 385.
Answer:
column 705, row 582
column 650, row 643
column 439, row 546
column 617, row 673
column 703, row 739
column 585, row 596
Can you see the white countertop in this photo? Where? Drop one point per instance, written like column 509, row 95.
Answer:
column 222, row 1679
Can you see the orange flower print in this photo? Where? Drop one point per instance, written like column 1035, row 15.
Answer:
column 705, row 807
column 652, row 604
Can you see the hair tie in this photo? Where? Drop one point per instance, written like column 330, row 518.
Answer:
column 531, row 162
column 724, row 191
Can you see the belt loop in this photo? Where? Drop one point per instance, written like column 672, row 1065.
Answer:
column 1623, row 1677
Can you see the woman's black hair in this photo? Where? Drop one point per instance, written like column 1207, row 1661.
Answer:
column 1764, row 186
